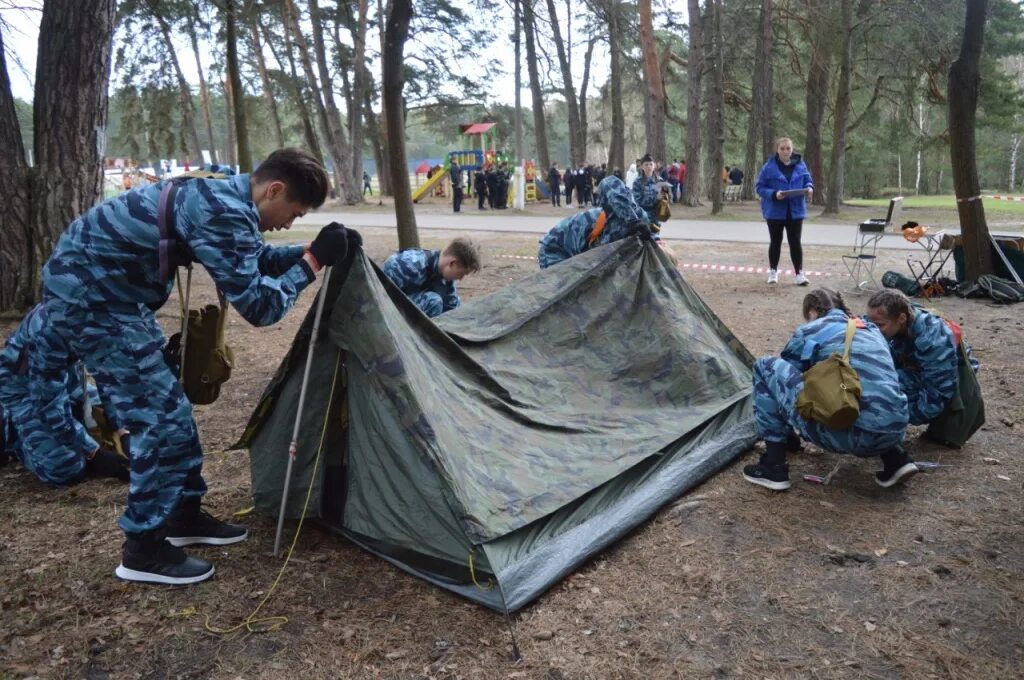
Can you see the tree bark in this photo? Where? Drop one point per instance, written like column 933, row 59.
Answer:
column 341, row 150
column 237, row 93
column 577, row 146
column 841, row 111
column 816, row 100
column 396, row 33
column 231, row 153
column 537, row 96
column 695, row 74
column 379, row 151
column 759, row 125
column 360, row 83
column 517, row 39
column 268, row 86
column 298, row 96
column 17, row 261
column 964, row 83
column 587, row 57
column 204, row 90
column 69, row 120
column 383, row 170
column 654, row 95
column 188, row 113
column 716, row 104
column 617, row 143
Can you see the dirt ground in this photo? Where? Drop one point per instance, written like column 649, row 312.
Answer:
column 840, row 581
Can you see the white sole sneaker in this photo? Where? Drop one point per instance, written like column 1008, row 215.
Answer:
column 182, row 541
column 767, row 483
column 907, row 470
column 773, row 276
column 124, row 573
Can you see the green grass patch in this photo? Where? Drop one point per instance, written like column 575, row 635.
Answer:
column 947, row 202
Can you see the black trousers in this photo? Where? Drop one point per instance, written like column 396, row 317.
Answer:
column 792, row 229
column 457, row 198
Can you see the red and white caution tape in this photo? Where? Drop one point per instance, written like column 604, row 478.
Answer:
column 1005, row 198
column 726, row 268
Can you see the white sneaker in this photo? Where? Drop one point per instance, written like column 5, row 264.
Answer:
column 773, row 276
column 801, row 280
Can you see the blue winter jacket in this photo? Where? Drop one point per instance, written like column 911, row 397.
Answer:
column 771, row 179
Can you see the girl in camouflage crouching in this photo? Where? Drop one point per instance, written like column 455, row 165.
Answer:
column 879, row 429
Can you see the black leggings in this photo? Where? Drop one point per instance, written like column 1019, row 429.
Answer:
column 792, row 229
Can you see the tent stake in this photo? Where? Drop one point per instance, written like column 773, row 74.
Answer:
column 293, row 447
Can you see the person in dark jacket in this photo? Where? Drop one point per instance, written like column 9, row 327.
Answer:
column 555, row 184
column 785, row 212
column 456, row 177
column 570, row 184
column 480, row 187
column 491, row 178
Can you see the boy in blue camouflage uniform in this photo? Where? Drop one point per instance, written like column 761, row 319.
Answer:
column 428, row 277
column 879, row 429
column 646, row 191
column 924, row 351
column 28, row 439
column 101, row 287
column 573, row 235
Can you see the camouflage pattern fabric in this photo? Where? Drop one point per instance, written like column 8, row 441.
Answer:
column 569, row 237
column 416, row 272
column 645, row 194
column 926, row 362
column 53, row 459
column 882, row 422
column 124, row 354
column 108, row 258
column 545, row 394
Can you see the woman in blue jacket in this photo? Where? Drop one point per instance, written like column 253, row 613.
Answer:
column 785, row 171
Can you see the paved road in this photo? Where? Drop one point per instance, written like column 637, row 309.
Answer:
column 688, row 230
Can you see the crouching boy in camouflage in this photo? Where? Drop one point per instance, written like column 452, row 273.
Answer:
column 110, row 271
column 428, row 277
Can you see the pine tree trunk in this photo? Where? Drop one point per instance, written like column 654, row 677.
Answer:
column 237, row 93
column 537, row 96
column 231, row 153
column 341, row 151
column 762, row 90
column 298, row 96
column 617, row 144
column 360, row 82
column 716, row 104
column 587, row 57
column 188, row 113
column 816, row 100
column 964, row 83
column 577, row 146
column 654, row 91
column 384, row 168
column 841, row 112
column 380, row 154
column 204, row 90
column 695, row 74
column 69, row 121
column 17, row 283
column 268, row 87
column 517, row 38
column 393, row 82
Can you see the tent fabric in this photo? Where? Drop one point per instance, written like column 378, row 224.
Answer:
column 524, row 431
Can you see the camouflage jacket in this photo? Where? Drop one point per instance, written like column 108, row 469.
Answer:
column 108, row 257
column 926, row 360
column 646, row 193
column 883, row 406
column 416, row 271
column 570, row 236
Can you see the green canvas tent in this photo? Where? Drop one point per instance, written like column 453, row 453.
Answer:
column 494, row 449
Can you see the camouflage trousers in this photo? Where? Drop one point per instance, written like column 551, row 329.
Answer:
column 776, row 386
column 429, row 301
column 123, row 351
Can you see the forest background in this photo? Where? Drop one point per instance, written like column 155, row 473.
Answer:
column 860, row 85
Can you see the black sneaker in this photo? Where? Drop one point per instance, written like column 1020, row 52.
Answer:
column 774, row 477
column 191, row 525
column 148, row 558
column 793, row 442
column 897, row 465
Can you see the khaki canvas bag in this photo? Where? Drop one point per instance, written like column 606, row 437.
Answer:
column 208, row 359
column 831, row 393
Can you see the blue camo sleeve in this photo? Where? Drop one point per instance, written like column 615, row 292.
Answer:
column 277, row 260
column 937, row 358
column 793, row 352
column 226, row 241
column 408, row 270
column 645, row 192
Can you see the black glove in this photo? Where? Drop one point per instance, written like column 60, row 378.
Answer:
column 640, row 229
column 330, row 245
column 106, row 463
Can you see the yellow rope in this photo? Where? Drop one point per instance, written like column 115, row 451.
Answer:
column 472, row 574
column 272, row 623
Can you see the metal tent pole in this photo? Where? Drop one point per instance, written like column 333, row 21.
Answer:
column 293, row 447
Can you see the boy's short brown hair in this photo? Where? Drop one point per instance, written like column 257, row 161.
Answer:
column 465, row 251
column 303, row 174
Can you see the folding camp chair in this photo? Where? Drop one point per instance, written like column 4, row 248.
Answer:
column 860, row 265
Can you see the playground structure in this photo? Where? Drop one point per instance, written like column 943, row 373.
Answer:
column 471, row 159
